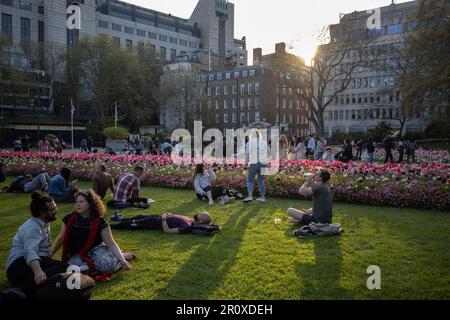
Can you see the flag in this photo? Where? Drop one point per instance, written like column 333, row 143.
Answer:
column 72, row 107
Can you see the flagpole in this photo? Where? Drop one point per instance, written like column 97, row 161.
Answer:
column 71, row 121
column 115, row 114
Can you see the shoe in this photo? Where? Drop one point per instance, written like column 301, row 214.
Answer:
column 12, row 294
column 117, row 217
column 248, row 199
column 296, row 233
column 211, row 202
column 142, row 205
column 261, row 199
column 293, row 220
column 45, row 188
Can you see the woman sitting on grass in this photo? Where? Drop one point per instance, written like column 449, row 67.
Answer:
column 87, row 239
column 203, row 177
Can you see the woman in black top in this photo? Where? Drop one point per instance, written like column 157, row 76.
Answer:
column 346, row 154
column 86, row 229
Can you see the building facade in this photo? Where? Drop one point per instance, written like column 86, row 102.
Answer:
column 373, row 95
column 263, row 93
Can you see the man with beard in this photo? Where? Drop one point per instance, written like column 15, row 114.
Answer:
column 29, row 264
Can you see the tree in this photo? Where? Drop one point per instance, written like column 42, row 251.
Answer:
column 107, row 75
column 428, row 52
column 332, row 69
column 181, row 94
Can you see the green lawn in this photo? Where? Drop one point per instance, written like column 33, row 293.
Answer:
column 253, row 258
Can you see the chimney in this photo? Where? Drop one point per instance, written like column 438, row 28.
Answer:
column 257, row 56
column 280, row 47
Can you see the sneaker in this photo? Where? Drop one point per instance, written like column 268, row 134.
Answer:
column 261, row 199
column 293, row 220
column 211, row 202
column 296, row 233
column 12, row 294
column 248, row 199
column 117, row 217
column 45, row 188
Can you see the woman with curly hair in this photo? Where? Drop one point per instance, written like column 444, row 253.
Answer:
column 87, row 239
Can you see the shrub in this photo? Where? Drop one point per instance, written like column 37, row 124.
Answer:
column 116, row 133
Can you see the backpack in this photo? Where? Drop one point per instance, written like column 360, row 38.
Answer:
column 2, row 173
column 318, row 230
column 235, row 194
column 55, row 288
column 205, row 230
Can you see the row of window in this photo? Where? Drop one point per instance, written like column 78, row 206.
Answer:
column 367, row 82
column 228, row 75
column 290, row 104
column 246, row 118
column 249, row 89
column 362, row 114
column 162, row 50
column 25, row 29
column 285, row 90
column 365, row 99
column 244, row 103
column 151, row 35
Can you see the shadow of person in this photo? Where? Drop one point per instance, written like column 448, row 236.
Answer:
column 322, row 279
column 207, row 267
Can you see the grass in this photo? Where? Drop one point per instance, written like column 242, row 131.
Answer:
column 253, row 258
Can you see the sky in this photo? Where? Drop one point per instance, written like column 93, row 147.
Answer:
column 266, row 22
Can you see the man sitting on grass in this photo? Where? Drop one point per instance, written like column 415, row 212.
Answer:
column 316, row 186
column 127, row 191
column 168, row 223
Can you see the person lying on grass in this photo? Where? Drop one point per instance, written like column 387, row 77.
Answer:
column 168, row 223
column 87, row 239
column 316, row 186
column 29, row 264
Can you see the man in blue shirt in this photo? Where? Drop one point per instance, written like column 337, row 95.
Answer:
column 29, row 264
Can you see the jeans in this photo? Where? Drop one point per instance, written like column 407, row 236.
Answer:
column 37, row 183
column 21, row 276
column 255, row 169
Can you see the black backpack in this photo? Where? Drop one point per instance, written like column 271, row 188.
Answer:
column 205, row 230
column 55, row 288
column 236, row 194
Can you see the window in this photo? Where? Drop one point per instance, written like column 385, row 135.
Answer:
column 129, row 30
column 225, row 103
column 217, row 118
column 217, row 91
column 183, row 42
column 257, row 88
column 257, row 116
column 250, row 88
column 7, row 26
column 216, row 104
column 162, row 38
column 129, row 44
column 152, row 35
column 173, row 40
column 252, row 73
column 41, row 10
column 225, row 118
column 242, row 103
column 209, row 91
column 234, row 104
column 173, row 54
column 227, row 75
column 250, row 103
column 25, row 6
column 234, row 117
column 242, row 89
column 117, row 27
column 219, row 77
column 25, row 31
column 8, row 3
column 234, row 89
column 103, row 24
column 225, row 90
column 140, row 33
column 236, row 74
column 395, row 28
column 41, row 31
column 162, row 53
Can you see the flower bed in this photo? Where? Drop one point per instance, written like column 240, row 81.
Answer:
column 425, row 185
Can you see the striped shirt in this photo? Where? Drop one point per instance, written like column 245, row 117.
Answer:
column 127, row 188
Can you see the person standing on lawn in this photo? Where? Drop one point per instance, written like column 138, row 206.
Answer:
column 256, row 157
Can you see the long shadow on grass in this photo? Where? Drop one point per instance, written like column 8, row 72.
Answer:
column 322, row 280
column 206, row 268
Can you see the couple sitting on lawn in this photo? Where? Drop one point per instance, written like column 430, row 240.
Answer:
column 85, row 237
